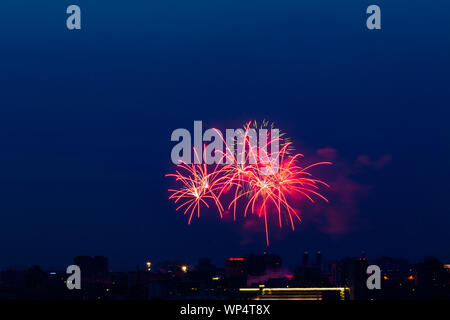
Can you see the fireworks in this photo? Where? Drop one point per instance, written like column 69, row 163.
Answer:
column 264, row 182
column 198, row 186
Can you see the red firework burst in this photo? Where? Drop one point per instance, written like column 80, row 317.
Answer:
column 267, row 182
column 198, row 187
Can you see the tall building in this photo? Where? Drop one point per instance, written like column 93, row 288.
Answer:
column 351, row 273
column 94, row 276
column 433, row 280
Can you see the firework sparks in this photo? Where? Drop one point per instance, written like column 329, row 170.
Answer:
column 276, row 192
column 198, row 187
column 267, row 183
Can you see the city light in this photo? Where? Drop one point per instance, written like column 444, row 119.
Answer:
column 236, row 259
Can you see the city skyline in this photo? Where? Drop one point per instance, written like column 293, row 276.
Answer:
column 246, row 278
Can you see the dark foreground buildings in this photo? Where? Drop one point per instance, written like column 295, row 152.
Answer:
column 259, row 277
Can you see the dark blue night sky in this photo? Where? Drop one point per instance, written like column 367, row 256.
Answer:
column 86, row 118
